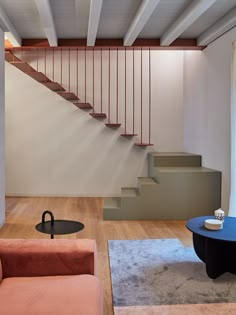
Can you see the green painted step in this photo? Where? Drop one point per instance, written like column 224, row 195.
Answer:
column 189, row 169
column 146, row 181
column 112, row 203
column 177, row 189
column 129, row 192
column 173, row 159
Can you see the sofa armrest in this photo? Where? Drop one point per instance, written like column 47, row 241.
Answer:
column 41, row 257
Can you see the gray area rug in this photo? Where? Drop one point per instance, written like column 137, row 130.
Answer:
column 163, row 271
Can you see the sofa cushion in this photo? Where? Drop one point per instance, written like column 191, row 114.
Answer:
column 70, row 295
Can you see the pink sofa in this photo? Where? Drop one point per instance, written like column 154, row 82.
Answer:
column 45, row 277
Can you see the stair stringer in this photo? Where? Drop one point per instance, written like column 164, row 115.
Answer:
column 177, row 193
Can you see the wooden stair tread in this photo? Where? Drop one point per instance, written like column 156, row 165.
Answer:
column 141, row 144
column 113, row 125
column 10, row 57
column 69, row 96
column 18, row 61
column 67, row 92
column 98, row 115
column 129, row 134
column 23, row 66
column 54, row 86
column 83, row 105
column 38, row 76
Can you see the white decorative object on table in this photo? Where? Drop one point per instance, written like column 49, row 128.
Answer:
column 219, row 214
column 213, row 224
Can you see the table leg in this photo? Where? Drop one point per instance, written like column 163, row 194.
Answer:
column 52, row 236
column 216, row 258
column 199, row 244
column 213, row 253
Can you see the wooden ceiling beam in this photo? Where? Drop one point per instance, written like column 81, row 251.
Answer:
column 154, row 44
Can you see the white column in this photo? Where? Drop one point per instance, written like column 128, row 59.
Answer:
column 2, row 129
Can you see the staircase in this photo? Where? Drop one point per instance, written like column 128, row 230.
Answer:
column 67, row 95
column 42, row 78
column 178, row 188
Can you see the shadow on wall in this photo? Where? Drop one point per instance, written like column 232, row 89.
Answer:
column 55, row 149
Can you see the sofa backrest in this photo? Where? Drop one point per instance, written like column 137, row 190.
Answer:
column 46, row 257
column 0, row 271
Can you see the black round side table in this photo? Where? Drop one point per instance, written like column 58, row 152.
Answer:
column 58, row 227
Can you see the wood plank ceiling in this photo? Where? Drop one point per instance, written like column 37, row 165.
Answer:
column 163, row 23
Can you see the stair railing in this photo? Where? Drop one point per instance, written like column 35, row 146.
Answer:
column 40, row 58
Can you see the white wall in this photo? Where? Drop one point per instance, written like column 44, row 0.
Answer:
column 207, row 102
column 55, row 149
column 167, row 100
column 166, row 87
column 2, row 132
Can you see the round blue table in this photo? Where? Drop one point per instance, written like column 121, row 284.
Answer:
column 216, row 248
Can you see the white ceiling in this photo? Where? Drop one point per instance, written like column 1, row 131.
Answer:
column 24, row 16
column 116, row 16
column 70, row 18
column 218, row 10
column 164, row 15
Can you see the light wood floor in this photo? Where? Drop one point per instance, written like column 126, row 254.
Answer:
column 22, row 214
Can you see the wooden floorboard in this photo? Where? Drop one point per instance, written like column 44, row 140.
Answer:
column 23, row 213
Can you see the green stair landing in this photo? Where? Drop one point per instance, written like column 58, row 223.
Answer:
column 178, row 188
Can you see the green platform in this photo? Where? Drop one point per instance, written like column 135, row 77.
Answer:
column 178, row 188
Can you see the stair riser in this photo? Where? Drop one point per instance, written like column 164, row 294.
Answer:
column 143, row 185
column 175, row 161
column 112, row 202
column 143, row 189
column 129, row 192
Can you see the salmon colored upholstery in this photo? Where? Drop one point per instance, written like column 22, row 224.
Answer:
column 0, row 271
column 32, row 258
column 60, row 295
column 45, row 277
